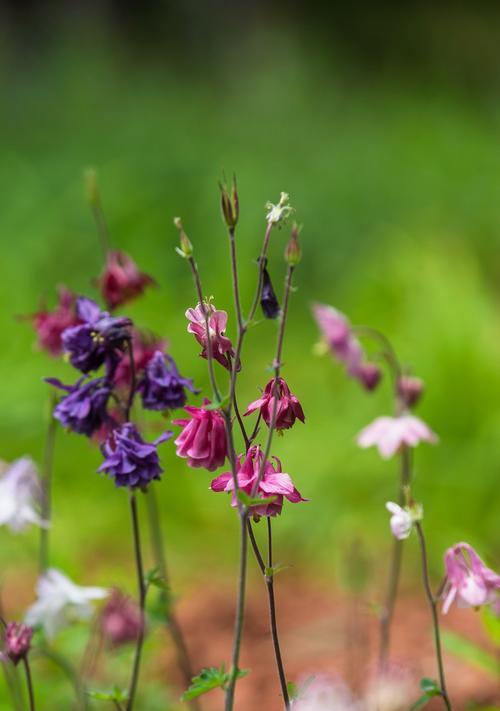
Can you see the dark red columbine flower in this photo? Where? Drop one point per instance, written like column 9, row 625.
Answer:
column 144, row 346
column 121, row 280
column 120, row 620
column 288, row 408
column 49, row 325
column 410, row 389
column 17, row 641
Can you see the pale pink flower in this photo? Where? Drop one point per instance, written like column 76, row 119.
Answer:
column 401, row 520
column 288, row 408
column 221, row 346
column 468, row 580
column 390, row 434
column 203, row 438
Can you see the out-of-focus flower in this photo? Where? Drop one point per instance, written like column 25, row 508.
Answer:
column 20, row 495
column 278, row 214
column 410, row 390
column 274, row 483
column 468, row 580
column 221, row 346
column 121, row 280
column 401, row 520
column 98, row 339
column 368, row 374
column 144, row 346
column 129, row 459
column 17, row 641
column 203, row 438
column 268, row 300
column 390, row 434
column 162, row 387
column 120, row 620
column 83, row 409
column 60, row 602
column 49, row 325
column 288, row 408
column 389, row 692
column 323, row 693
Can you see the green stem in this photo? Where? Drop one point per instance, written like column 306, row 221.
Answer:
column 29, row 683
column 142, row 602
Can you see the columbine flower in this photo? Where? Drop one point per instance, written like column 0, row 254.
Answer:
column 390, row 434
column 144, row 346
column 121, row 280
column 468, row 580
column 401, row 520
column 278, row 214
column 60, row 602
column 222, row 348
column 50, row 325
column 268, row 300
column 410, row 390
column 98, row 339
column 163, row 388
column 83, row 409
column 288, row 408
column 203, row 438
column 323, row 693
column 17, row 641
column 129, row 459
column 274, row 483
column 368, row 374
column 19, row 495
column 120, row 620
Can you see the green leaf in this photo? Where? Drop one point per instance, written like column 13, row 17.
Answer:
column 430, row 689
column 272, row 570
column 153, row 577
column 293, row 690
column 491, row 624
column 208, row 679
column 216, row 404
column 247, row 500
column 470, row 652
column 116, row 694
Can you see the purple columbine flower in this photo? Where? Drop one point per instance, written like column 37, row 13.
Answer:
column 83, row 409
column 129, row 459
column 163, row 388
column 99, row 339
column 268, row 300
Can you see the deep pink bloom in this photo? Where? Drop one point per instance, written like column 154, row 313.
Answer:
column 222, row 348
column 17, row 641
column 468, row 580
column 121, row 280
column 368, row 374
column 144, row 346
column 203, row 438
column 50, row 325
column 120, row 620
column 389, row 434
column 274, row 483
column 288, row 408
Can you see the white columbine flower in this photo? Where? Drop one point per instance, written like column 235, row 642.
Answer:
column 402, row 519
column 20, row 494
column 279, row 213
column 61, row 602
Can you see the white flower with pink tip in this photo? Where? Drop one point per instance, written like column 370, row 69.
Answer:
column 390, row 434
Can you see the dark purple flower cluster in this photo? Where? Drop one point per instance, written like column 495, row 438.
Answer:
column 84, row 409
column 162, row 387
column 268, row 300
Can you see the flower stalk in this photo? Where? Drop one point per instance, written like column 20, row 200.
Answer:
column 29, row 683
column 46, row 486
column 142, row 602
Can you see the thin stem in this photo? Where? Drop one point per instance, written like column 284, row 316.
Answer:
column 258, row 555
column 133, row 383
column 435, row 619
column 102, row 227
column 388, row 350
column 48, row 466
column 261, row 262
column 142, row 602
column 234, row 272
column 29, row 683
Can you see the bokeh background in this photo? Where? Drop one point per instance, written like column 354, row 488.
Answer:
column 382, row 122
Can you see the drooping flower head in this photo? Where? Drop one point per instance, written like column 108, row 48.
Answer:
column 203, row 438
column 17, row 641
column 288, row 408
column 274, row 484
column 390, row 434
column 84, row 409
column 20, row 496
column 129, row 459
column 401, row 520
column 468, row 580
column 144, row 346
column 222, row 348
column 409, row 389
column 60, row 602
column 268, row 299
column 49, row 325
column 162, row 387
column 121, row 280
column 97, row 340
column 120, row 620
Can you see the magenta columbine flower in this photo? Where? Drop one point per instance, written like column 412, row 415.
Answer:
column 121, row 280
column 84, row 409
column 468, row 580
column 129, row 459
column 120, row 620
column 17, row 641
column 203, row 438
column 274, row 483
column 50, row 325
column 97, row 340
column 268, row 299
column 401, row 520
column 162, row 387
column 222, row 348
column 288, row 410
column 390, row 434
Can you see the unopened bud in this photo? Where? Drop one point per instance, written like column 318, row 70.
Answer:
column 369, row 375
column 91, row 188
column 186, row 248
column 230, row 205
column 410, row 389
column 293, row 252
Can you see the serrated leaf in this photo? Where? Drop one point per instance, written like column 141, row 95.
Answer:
column 470, row 652
column 208, row 679
column 249, row 501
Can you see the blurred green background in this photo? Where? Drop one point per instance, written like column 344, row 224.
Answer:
column 383, row 125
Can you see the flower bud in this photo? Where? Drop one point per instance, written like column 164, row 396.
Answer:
column 230, row 204
column 186, row 248
column 91, row 186
column 17, row 641
column 268, row 299
column 410, row 389
column 293, row 252
column 369, row 375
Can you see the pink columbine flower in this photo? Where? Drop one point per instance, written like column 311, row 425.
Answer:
column 288, row 408
column 49, row 325
column 17, row 641
column 401, row 520
column 274, row 482
column 120, row 620
column 203, row 438
column 222, row 348
column 468, row 580
column 121, row 280
column 390, row 434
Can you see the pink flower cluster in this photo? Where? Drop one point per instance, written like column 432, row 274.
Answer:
column 203, row 438
column 288, row 408
column 221, row 346
column 49, row 325
column 121, row 280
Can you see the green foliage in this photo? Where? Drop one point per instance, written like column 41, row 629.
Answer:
column 249, row 501
column 470, row 652
column 491, row 623
column 430, row 689
column 208, row 679
column 116, row 694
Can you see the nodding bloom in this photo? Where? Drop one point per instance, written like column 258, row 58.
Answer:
column 121, row 280
column 339, row 338
column 20, row 496
column 468, row 580
column 390, row 434
column 203, row 438
column 144, row 346
column 17, row 640
column 409, row 389
column 288, row 407
column 129, row 459
column 49, row 325
column 273, row 484
column 222, row 348
column 97, row 340
column 401, row 520
column 162, row 387
column 268, row 300
column 60, row 602
column 84, row 409
column 324, row 693
column 120, row 620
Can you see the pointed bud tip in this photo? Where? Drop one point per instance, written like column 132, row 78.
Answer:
column 293, row 251
column 90, row 178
